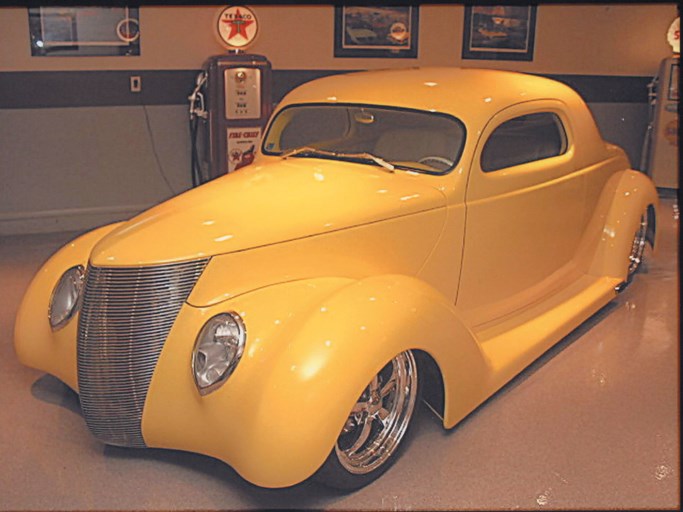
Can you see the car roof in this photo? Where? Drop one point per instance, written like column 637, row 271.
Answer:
column 470, row 94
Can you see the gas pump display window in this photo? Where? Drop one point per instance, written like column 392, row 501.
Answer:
column 390, row 137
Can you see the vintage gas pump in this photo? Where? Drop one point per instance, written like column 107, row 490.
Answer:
column 660, row 155
column 662, row 162
column 230, row 104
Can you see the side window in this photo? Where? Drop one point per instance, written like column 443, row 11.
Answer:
column 524, row 139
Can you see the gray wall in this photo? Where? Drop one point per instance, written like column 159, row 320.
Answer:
column 73, row 168
column 623, row 124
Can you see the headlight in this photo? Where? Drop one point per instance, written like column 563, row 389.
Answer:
column 217, row 351
column 66, row 296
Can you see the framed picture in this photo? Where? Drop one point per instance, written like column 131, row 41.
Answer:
column 375, row 31
column 84, row 31
column 499, row 32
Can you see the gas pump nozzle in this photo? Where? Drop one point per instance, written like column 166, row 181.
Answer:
column 197, row 106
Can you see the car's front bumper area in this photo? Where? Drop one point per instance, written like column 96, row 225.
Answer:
column 264, row 427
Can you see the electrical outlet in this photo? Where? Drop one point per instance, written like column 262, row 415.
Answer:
column 135, row 84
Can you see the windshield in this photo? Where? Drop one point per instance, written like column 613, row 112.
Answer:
column 404, row 139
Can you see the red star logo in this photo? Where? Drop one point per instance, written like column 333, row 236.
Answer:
column 238, row 25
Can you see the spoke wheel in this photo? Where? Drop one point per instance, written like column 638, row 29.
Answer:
column 375, row 427
column 638, row 247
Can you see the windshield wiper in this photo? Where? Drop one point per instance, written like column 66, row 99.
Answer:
column 374, row 158
column 305, row 149
column 365, row 156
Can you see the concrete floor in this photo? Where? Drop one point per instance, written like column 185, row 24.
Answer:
column 593, row 424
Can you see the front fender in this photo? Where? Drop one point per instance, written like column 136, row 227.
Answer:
column 312, row 348
column 35, row 343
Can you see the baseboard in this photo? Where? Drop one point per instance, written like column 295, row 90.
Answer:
column 68, row 219
column 667, row 193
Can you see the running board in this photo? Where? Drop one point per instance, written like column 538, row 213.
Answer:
column 511, row 348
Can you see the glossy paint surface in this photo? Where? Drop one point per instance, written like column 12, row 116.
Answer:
column 336, row 267
column 274, row 201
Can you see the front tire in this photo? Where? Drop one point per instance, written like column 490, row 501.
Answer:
column 376, row 428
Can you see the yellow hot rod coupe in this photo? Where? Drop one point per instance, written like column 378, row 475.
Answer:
column 401, row 234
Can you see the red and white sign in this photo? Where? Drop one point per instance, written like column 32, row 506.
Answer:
column 673, row 36
column 242, row 144
column 237, row 26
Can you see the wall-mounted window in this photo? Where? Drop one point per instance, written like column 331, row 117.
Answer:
column 524, row 139
column 84, row 31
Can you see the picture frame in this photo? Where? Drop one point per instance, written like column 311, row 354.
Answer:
column 499, row 32
column 376, row 31
column 84, row 31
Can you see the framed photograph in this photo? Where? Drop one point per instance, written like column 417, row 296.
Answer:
column 375, row 31
column 499, row 32
column 84, row 31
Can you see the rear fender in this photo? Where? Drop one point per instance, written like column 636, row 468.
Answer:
column 626, row 196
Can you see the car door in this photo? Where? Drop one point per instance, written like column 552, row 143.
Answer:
column 525, row 208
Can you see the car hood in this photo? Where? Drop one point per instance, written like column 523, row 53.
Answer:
column 265, row 204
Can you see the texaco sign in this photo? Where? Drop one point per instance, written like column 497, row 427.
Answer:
column 237, row 26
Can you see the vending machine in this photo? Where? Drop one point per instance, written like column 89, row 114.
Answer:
column 660, row 154
column 229, row 107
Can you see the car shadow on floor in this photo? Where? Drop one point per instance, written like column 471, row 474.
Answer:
column 51, row 390
column 306, row 495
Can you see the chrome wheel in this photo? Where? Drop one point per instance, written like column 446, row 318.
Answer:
column 380, row 418
column 638, row 246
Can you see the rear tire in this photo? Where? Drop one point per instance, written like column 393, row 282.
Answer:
column 635, row 258
column 376, row 428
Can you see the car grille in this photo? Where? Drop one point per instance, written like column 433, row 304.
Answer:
column 125, row 318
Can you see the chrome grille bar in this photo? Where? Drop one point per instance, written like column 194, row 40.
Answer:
column 125, row 318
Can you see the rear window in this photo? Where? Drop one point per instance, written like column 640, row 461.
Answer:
column 524, row 139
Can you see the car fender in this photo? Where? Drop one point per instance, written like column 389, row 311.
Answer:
column 278, row 416
column 607, row 245
column 350, row 337
column 35, row 343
